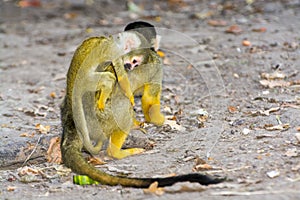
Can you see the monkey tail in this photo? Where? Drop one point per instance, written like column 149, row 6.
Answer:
column 72, row 157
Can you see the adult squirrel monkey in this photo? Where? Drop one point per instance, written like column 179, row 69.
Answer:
column 100, row 81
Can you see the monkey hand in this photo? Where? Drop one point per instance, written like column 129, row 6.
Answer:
column 101, row 104
column 105, row 86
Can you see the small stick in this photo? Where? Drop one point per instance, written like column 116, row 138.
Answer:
column 34, row 149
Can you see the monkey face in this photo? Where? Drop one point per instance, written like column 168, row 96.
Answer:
column 133, row 62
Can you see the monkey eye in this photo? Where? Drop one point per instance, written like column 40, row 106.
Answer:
column 134, row 61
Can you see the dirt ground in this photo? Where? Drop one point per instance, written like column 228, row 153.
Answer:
column 234, row 90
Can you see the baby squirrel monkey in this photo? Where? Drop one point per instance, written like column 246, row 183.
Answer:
column 115, row 115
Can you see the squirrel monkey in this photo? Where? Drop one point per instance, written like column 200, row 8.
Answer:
column 96, row 66
column 116, row 117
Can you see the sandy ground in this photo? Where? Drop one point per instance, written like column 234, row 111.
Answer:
column 251, row 94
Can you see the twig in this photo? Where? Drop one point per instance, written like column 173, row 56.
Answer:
column 34, row 149
column 213, row 146
column 229, row 170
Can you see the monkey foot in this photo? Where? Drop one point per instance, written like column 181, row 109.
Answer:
column 119, row 154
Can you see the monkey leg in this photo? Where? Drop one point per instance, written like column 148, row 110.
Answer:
column 116, row 142
column 105, row 85
column 151, row 104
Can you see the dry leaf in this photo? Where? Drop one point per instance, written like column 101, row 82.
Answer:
column 274, row 83
column 278, row 127
column 261, row 30
column 173, row 124
column 154, row 189
column 232, row 109
column 290, row 105
column 70, row 15
column 27, row 170
column 29, row 3
column 202, row 167
column 11, row 188
column 178, row 3
column 234, row 29
column 62, row 170
column 54, row 152
column 217, row 22
column 202, row 15
column 264, row 112
column 96, row 161
column 274, row 75
column 199, row 161
column 42, row 129
column 27, row 135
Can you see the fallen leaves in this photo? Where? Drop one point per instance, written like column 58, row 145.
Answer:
column 11, row 188
column 201, row 165
column 37, row 174
column 217, row 23
column 95, row 161
column 274, row 83
column 176, row 188
column 171, row 122
column 279, row 127
column 234, row 29
column 28, row 174
column 232, row 109
column 29, row 3
column 42, row 129
column 54, row 152
column 30, row 135
column 154, row 189
column 259, row 30
column 276, row 79
column 272, row 76
column 264, row 112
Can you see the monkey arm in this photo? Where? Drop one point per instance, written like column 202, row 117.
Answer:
column 85, row 86
column 123, row 79
column 105, row 85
